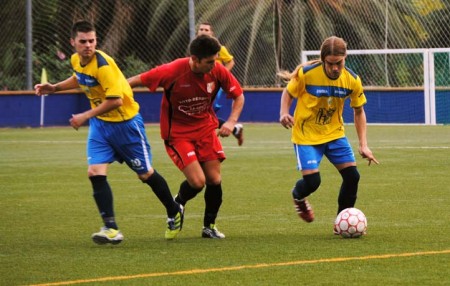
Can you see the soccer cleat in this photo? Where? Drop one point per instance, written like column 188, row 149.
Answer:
column 239, row 133
column 107, row 235
column 304, row 210
column 178, row 201
column 212, row 232
column 175, row 224
column 335, row 231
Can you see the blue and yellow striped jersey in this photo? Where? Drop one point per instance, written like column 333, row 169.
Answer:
column 320, row 103
column 101, row 78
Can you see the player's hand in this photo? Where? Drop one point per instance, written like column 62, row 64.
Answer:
column 367, row 154
column 78, row 120
column 287, row 121
column 44, row 88
column 226, row 129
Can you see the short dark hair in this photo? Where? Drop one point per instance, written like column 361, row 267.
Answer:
column 206, row 24
column 204, row 46
column 82, row 26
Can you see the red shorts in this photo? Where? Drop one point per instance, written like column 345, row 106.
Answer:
column 183, row 151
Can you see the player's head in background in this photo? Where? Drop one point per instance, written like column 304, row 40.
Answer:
column 205, row 28
column 82, row 26
column 203, row 51
column 332, row 54
column 84, row 40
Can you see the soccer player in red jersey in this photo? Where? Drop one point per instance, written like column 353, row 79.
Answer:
column 188, row 122
column 227, row 60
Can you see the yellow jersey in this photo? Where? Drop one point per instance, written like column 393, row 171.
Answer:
column 224, row 55
column 320, row 103
column 100, row 79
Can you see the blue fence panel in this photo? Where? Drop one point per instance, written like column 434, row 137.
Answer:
column 391, row 107
column 22, row 110
column 443, row 107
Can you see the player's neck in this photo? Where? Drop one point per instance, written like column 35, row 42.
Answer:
column 84, row 61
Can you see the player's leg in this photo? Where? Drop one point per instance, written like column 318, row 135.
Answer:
column 342, row 157
column 213, row 199
column 184, row 157
column 349, row 188
column 194, row 183
column 100, row 154
column 308, row 161
column 175, row 211
column 132, row 146
column 210, row 154
column 238, row 133
column 103, row 197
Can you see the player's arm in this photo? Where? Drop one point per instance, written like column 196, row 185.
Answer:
column 48, row 88
column 106, row 106
column 286, row 101
column 236, row 109
column 135, row 81
column 361, row 130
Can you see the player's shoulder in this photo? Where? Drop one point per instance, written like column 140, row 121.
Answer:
column 310, row 67
column 220, row 70
column 103, row 59
column 175, row 65
column 223, row 49
column 180, row 62
column 351, row 73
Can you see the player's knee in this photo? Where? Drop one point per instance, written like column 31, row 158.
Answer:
column 144, row 177
column 93, row 173
column 197, row 183
column 312, row 182
column 350, row 175
column 217, row 180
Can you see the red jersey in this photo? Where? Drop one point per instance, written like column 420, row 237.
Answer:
column 186, row 107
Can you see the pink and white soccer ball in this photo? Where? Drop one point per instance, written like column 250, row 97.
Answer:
column 350, row 223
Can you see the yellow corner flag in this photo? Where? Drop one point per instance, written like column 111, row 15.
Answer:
column 43, row 80
column 44, row 76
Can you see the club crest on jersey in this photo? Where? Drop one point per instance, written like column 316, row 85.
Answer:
column 210, row 87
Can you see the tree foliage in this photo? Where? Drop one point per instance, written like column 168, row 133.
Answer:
column 263, row 35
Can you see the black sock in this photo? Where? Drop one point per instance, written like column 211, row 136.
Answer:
column 186, row 193
column 349, row 188
column 213, row 200
column 162, row 191
column 104, row 200
column 221, row 122
column 306, row 186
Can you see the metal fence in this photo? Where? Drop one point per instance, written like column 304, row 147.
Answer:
column 264, row 36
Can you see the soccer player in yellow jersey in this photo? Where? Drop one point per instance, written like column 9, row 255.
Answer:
column 321, row 88
column 116, row 130
column 227, row 60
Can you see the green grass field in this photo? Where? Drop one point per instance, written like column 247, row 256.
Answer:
column 48, row 214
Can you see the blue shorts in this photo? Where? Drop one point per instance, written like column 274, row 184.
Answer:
column 217, row 106
column 337, row 151
column 119, row 141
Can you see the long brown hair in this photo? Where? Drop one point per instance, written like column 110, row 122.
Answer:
column 332, row 46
